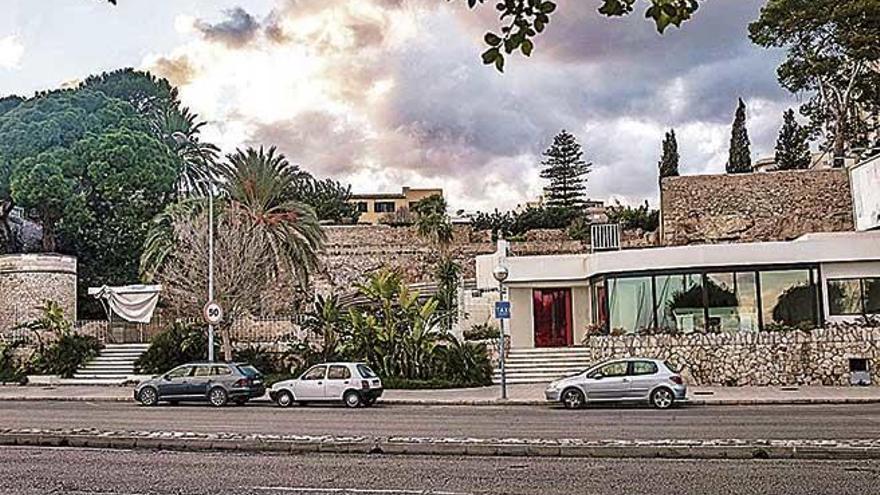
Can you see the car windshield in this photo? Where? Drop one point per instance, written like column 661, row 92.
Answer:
column 248, row 370
column 365, row 371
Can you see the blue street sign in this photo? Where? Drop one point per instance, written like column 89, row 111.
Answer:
column 502, row 310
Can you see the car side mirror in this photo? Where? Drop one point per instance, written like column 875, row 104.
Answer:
column 598, row 377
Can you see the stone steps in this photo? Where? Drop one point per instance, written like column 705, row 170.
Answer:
column 543, row 365
column 114, row 365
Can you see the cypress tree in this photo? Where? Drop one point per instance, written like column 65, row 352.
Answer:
column 566, row 170
column 792, row 149
column 669, row 160
column 740, row 159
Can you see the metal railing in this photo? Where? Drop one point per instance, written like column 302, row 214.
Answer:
column 605, row 236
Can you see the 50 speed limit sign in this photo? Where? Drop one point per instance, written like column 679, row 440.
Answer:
column 213, row 313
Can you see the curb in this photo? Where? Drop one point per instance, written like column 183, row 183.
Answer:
column 390, row 446
column 494, row 402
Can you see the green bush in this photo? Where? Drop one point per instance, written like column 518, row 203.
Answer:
column 11, row 369
column 269, row 363
column 432, row 384
column 482, row 331
column 180, row 344
column 66, row 354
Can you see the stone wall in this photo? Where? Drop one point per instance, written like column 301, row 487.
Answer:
column 819, row 357
column 754, row 207
column 27, row 281
column 353, row 252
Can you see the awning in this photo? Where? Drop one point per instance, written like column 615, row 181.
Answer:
column 134, row 303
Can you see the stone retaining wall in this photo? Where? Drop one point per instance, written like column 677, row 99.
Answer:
column 773, row 206
column 27, row 281
column 818, row 357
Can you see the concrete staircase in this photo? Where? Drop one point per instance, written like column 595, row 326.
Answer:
column 543, row 365
column 113, row 366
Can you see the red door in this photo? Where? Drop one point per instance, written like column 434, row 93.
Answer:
column 552, row 312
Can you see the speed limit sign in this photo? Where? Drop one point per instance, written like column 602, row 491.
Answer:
column 213, row 313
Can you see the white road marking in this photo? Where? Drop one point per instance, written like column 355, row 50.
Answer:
column 365, row 491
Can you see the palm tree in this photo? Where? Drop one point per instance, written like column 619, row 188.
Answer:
column 262, row 185
column 180, row 130
column 432, row 222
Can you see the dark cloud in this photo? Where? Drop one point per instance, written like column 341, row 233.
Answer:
column 178, row 70
column 238, row 29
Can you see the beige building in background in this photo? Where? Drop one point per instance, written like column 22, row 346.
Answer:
column 374, row 206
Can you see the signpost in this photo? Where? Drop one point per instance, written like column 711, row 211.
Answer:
column 502, row 310
column 212, row 313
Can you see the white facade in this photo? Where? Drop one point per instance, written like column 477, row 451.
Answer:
column 849, row 260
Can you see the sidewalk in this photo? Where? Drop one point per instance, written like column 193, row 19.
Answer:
column 531, row 394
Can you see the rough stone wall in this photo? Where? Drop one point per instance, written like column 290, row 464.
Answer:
column 819, row 357
column 27, row 281
column 351, row 253
column 754, row 207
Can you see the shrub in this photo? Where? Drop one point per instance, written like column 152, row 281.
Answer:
column 269, row 363
column 181, row 343
column 640, row 217
column 481, row 331
column 432, row 384
column 466, row 364
column 11, row 369
column 66, row 354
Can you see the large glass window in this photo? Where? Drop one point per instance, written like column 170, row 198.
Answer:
column 787, row 297
column 679, row 302
column 732, row 302
column 552, row 317
column 872, row 295
column 853, row 296
column 630, row 304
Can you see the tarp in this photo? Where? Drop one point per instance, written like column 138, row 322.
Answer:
column 134, row 303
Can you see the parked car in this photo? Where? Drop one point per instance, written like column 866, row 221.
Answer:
column 354, row 384
column 621, row 380
column 217, row 383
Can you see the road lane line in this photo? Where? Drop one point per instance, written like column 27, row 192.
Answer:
column 365, row 491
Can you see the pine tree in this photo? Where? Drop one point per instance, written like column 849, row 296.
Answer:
column 792, row 149
column 566, row 170
column 669, row 160
column 740, row 159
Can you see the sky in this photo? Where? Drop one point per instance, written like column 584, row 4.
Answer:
column 386, row 93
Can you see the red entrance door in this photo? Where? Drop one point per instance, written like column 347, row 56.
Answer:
column 552, row 312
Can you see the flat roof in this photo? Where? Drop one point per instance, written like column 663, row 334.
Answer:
column 811, row 248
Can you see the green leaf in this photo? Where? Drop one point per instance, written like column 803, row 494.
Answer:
column 527, row 47
column 499, row 63
column 539, row 26
column 547, row 7
column 492, row 39
column 490, row 55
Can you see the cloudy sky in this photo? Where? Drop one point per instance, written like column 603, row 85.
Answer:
column 385, row 93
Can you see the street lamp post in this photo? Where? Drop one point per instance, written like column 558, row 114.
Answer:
column 501, row 273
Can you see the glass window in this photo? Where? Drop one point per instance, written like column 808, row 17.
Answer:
column 644, row 368
column 202, row 371
column 180, row 372
column 599, row 304
column 787, row 297
column 361, row 206
column 872, row 295
column 680, row 302
column 383, row 207
column 629, row 304
column 316, row 373
column 221, row 370
column 844, row 297
column 365, row 371
column 733, row 302
column 248, row 370
column 338, row 373
column 617, row 368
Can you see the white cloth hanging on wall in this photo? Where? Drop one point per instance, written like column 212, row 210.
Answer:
column 134, row 303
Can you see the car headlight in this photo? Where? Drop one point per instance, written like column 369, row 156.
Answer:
column 553, row 386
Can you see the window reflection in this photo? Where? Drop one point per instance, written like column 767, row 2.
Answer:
column 629, row 304
column 732, row 301
column 679, row 302
column 787, row 297
column 844, row 297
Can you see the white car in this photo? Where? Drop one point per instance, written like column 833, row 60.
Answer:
column 355, row 384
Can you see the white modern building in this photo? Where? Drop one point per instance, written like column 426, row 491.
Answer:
column 745, row 287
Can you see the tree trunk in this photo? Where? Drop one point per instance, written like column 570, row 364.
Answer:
column 49, row 237
column 6, row 241
column 839, row 145
column 227, row 343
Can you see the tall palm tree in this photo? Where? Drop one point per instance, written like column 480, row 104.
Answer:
column 262, row 185
column 181, row 130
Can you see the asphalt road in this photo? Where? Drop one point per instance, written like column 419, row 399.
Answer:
column 78, row 471
column 858, row 421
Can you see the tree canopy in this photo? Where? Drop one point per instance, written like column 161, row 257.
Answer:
column 740, row 157
column 669, row 159
column 792, row 148
column 567, row 172
column 832, row 52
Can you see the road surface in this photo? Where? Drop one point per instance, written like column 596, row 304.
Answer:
column 858, row 421
column 32, row 471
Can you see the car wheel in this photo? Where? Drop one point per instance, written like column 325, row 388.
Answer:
column 148, row 396
column 573, row 398
column 352, row 399
column 662, row 398
column 218, row 397
column 284, row 399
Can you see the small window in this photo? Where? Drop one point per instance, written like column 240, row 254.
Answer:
column 644, row 368
column 844, row 297
column 365, row 371
column 316, row 373
column 362, row 206
column 202, row 371
column 221, row 370
column 249, row 371
column 181, row 372
column 338, row 373
column 611, row 369
column 383, row 207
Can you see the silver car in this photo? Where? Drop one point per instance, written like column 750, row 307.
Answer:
column 621, row 380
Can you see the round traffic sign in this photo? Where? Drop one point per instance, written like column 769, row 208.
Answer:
column 213, row 313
